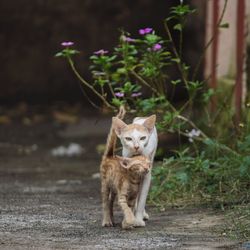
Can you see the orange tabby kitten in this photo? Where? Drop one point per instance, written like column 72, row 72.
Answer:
column 120, row 176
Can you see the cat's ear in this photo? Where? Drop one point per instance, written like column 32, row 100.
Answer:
column 124, row 161
column 118, row 125
column 149, row 123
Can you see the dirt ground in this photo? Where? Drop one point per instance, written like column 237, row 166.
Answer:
column 49, row 202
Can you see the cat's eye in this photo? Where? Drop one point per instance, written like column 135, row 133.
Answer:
column 128, row 138
column 143, row 138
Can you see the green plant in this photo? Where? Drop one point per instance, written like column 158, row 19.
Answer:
column 213, row 174
column 141, row 64
column 237, row 222
column 213, row 167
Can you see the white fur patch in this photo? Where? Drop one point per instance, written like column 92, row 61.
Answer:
column 137, row 134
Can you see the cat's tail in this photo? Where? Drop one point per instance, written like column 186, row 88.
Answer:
column 111, row 141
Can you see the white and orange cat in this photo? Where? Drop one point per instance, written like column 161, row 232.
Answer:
column 120, row 176
column 139, row 138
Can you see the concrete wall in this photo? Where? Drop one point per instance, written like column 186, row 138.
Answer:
column 31, row 33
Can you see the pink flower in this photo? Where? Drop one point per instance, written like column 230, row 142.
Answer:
column 145, row 31
column 119, row 94
column 156, row 47
column 129, row 39
column 136, row 94
column 101, row 52
column 67, row 44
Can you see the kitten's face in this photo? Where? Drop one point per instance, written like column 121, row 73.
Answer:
column 134, row 137
column 137, row 165
column 140, row 167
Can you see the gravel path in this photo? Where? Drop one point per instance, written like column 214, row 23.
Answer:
column 49, row 202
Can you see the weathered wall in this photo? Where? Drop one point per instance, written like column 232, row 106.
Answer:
column 31, row 33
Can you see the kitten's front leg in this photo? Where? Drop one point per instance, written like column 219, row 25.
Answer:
column 140, row 210
column 129, row 218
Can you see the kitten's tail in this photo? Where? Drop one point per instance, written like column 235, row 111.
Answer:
column 111, row 141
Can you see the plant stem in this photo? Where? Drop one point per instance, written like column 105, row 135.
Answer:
column 144, row 82
column 85, row 83
column 181, row 41
column 175, row 53
column 221, row 146
column 111, row 89
column 191, row 124
column 153, row 89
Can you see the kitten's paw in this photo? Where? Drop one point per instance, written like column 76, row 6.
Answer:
column 145, row 216
column 139, row 223
column 127, row 225
column 107, row 223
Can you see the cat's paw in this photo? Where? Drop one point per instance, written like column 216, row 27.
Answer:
column 107, row 223
column 127, row 225
column 139, row 223
column 145, row 216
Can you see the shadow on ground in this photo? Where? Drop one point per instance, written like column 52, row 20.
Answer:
column 49, row 202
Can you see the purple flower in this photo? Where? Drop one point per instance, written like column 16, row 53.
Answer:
column 156, row 47
column 128, row 39
column 119, row 94
column 101, row 52
column 136, row 94
column 145, row 31
column 67, row 44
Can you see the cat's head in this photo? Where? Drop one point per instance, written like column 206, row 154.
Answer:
column 134, row 137
column 137, row 165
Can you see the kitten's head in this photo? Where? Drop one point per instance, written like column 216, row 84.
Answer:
column 137, row 165
column 134, row 137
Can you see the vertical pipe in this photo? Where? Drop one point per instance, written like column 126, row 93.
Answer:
column 214, row 50
column 239, row 58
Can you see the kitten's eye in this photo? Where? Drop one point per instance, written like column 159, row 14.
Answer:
column 128, row 138
column 143, row 138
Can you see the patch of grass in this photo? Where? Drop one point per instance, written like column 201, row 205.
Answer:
column 215, row 174
column 237, row 224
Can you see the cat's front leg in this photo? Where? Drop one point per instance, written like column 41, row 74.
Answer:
column 140, row 210
column 145, row 215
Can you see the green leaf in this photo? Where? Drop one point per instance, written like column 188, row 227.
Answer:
column 224, row 25
column 182, row 177
column 94, row 57
column 245, row 166
column 178, row 27
column 102, row 82
column 72, row 52
column 245, row 144
column 59, row 54
column 117, row 102
column 121, row 71
column 194, row 86
column 207, row 95
column 177, row 60
column 152, row 39
column 209, row 142
column 175, row 82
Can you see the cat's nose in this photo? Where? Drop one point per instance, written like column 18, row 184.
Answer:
column 136, row 147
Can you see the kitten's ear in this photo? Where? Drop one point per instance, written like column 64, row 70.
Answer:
column 118, row 125
column 149, row 123
column 124, row 161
